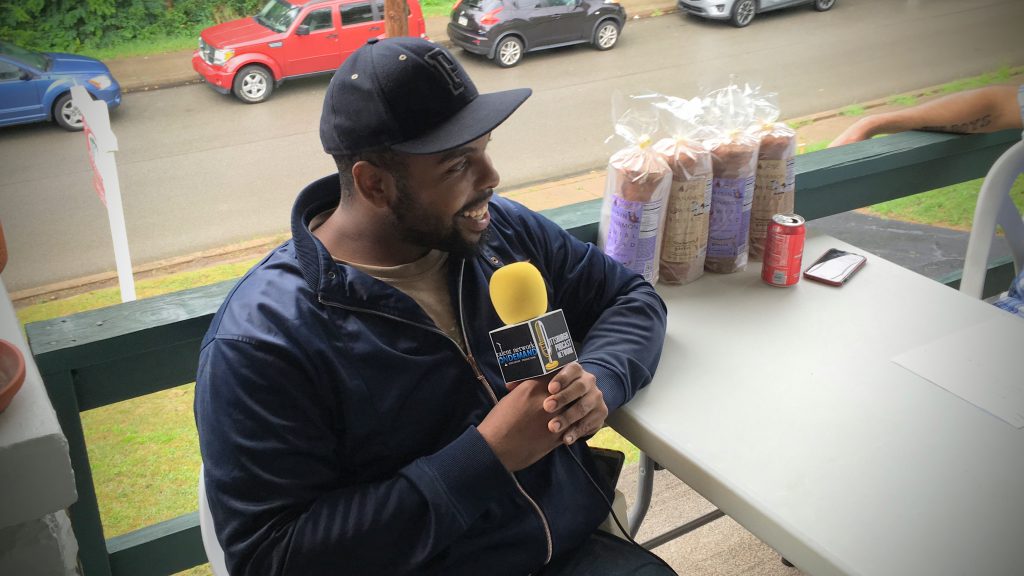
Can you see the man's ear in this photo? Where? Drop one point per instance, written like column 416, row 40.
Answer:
column 374, row 184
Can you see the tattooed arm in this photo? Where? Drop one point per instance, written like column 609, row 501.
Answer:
column 987, row 109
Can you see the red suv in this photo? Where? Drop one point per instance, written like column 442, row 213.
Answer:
column 287, row 39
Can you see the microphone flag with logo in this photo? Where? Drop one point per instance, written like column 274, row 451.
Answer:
column 533, row 342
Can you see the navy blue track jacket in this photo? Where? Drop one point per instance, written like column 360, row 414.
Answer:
column 338, row 424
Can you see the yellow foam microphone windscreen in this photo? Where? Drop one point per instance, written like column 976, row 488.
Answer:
column 518, row 293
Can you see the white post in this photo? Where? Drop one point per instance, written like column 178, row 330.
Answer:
column 102, row 144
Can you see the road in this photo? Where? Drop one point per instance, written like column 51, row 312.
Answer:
column 200, row 170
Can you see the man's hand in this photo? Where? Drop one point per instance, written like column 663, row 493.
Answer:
column 860, row 130
column 516, row 428
column 578, row 403
column 520, row 429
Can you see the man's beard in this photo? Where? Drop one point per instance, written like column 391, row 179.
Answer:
column 409, row 217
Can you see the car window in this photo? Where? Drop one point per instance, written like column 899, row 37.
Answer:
column 319, row 20
column 278, row 15
column 488, row 5
column 30, row 57
column 378, row 5
column 356, row 13
column 9, row 72
column 555, row 3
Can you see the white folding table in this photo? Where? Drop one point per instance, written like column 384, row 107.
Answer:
column 785, row 408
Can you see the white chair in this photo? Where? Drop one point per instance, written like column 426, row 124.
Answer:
column 994, row 206
column 620, row 512
column 213, row 550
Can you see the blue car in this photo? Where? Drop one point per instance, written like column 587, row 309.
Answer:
column 36, row 86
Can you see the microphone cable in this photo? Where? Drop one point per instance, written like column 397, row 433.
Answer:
column 611, row 508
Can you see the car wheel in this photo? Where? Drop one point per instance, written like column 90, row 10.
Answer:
column 67, row 114
column 607, row 35
column 743, row 12
column 509, row 52
column 823, row 5
column 253, row 84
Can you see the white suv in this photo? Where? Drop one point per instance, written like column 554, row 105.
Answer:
column 741, row 12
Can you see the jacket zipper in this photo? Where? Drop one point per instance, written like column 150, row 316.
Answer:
column 467, row 354
column 483, row 380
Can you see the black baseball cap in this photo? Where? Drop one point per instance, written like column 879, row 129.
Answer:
column 411, row 95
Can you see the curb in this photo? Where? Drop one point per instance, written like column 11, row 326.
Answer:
column 927, row 92
column 168, row 84
column 223, row 254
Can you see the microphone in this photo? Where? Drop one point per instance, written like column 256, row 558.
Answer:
column 533, row 342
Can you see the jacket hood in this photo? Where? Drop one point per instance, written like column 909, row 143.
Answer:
column 314, row 260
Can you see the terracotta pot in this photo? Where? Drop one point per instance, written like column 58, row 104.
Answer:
column 3, row 248
column 12, row 372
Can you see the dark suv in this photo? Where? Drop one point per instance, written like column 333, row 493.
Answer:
column 504, row 30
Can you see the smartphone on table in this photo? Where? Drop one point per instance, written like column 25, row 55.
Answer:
column 835, row 267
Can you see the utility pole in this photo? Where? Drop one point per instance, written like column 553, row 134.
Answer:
column 396, row 23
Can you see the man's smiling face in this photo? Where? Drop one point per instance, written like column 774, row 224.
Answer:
column 440, row 200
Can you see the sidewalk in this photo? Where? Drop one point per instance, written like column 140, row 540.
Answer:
column 175, row 68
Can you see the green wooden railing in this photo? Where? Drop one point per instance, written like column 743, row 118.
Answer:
column 96, row 358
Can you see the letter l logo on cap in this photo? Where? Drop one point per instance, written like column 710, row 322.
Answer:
column 444, row 64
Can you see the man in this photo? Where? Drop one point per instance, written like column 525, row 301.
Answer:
column 351, row 413
column 988, row 109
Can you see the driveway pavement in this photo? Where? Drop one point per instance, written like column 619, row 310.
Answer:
column 928, row 250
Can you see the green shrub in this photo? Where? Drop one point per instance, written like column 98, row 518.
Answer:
column 70, row 26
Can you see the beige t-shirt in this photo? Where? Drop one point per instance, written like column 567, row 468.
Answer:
column 425, row 281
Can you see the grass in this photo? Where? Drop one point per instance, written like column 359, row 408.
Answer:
column 1001, row 75
column 186, row 40
column 852, row 110
column 903, row 100
column 813, row 146
column 44, row 310
column 608, row 438
column 798, row 124
column 145, row 458
column 951, row 207
column 436, row 7
column 173, row 43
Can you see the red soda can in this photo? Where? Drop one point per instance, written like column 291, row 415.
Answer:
column 783, row 250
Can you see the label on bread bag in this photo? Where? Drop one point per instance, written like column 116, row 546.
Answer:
column 633, row 234
column 686, row 223
column 773, row 194
column 729, row 227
